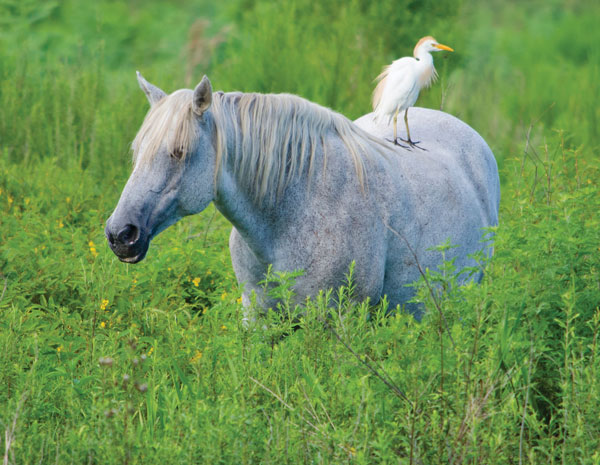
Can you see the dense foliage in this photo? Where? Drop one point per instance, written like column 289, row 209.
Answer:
column 104, row 362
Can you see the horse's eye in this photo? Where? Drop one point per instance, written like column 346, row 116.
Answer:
column 177, row 153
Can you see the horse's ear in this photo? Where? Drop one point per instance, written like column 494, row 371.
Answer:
column 153, row 93
column 202, row 96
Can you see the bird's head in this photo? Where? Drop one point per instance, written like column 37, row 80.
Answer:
column 428, row 44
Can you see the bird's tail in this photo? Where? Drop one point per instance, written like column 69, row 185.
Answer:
column 380, row 117
column 377, row 116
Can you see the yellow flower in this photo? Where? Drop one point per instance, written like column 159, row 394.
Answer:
column 27, row 200
column 223, row 296
column 59, row 349
column 10, row 199
column 103, row 304
column 60, row 224
column 196, row 281
column 93, row 249
column 68, row 199
column 197, row 356
column 150, row 351
column 102, row 324
column 224, row 328
column 352, row 450
column 239, row 300
column 209, row 272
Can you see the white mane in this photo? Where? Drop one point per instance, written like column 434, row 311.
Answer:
column 276, row 135
column 170, row 120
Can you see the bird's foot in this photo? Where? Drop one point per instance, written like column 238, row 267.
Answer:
column 413, row 143
column 395, row 142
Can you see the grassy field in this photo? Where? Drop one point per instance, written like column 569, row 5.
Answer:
column 104, row 362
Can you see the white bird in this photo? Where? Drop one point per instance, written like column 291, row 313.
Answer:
column 400, row 83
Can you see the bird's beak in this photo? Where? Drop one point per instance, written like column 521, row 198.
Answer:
column 443, row 47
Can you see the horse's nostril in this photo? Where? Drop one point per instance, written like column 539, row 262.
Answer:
column 128, row 235
column 110, row 237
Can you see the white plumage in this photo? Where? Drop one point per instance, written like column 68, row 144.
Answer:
column 400, row 83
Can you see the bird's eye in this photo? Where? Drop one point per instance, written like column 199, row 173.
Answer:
column 177, row 153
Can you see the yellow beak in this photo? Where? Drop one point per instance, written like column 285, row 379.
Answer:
column 443, row 47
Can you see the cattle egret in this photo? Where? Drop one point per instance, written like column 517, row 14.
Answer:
column 400, row 83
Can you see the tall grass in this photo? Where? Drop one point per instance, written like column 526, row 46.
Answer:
column 104, row 362
column 530, row 64
column 328, row 52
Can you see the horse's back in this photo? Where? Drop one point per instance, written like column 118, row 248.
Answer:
column 453, row 152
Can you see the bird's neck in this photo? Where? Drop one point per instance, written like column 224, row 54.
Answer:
column 425, row 69
column 424, row 58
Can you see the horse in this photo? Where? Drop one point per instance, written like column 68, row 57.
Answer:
column 307, row 189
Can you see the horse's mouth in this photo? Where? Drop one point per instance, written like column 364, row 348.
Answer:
column 141, row 250
column 138, row 258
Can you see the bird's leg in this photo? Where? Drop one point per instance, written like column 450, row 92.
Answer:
column 408, row 140
column 395, row 140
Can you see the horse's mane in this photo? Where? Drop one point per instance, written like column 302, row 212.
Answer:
column 277, row 136
column 171, row 120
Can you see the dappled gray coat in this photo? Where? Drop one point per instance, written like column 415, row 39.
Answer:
column 307, row 189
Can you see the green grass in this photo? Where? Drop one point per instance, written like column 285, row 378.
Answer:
column 507, row 371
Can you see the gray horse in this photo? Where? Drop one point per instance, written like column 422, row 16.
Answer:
column 307, row 189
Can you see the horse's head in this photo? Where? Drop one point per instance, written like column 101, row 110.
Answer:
column 173, row 173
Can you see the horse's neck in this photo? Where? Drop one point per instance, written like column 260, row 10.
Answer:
column 236, row 204
column 256, row 220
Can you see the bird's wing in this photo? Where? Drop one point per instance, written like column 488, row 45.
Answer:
column 381, row 83
column 397, row 89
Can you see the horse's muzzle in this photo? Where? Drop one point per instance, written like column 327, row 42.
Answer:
column 129, row 243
